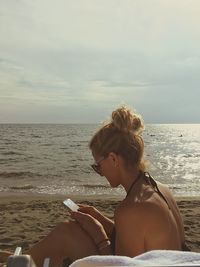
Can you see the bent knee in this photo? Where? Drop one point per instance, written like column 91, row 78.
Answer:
column 73, row 240
column 67, row 227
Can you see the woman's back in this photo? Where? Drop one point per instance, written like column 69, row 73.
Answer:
column 148, row 220
column 175, row 211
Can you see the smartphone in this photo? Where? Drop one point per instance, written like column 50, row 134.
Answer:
column 70, row 205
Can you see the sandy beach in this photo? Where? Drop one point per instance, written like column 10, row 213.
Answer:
column 25, row 219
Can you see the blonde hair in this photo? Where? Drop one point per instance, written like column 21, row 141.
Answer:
column 121, row 135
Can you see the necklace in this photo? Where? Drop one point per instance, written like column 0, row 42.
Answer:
column 134, row 182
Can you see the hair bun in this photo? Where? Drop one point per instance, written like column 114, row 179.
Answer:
column 126, row 120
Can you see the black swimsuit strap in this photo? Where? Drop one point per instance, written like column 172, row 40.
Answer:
column 134, row 182
column 149, row 179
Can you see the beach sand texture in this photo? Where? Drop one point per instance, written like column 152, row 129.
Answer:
column 25, row 220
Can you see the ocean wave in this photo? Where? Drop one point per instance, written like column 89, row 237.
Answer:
column 75, row 145
column 53, row 170
column 46, row 144
column 36, row 136
column 95, row 186
column 22, row 187
column 17, row 174
column 11, row 153
column 192, row 156
column 68, row 153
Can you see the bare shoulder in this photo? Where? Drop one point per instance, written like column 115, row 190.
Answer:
column 137, row 212
column 147, row 222
column 133, row 220
column 168, row 195
column 164, row 188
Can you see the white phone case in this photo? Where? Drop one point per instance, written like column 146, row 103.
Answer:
column 70, row 205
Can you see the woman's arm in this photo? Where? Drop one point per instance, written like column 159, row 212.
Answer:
column 95, row 230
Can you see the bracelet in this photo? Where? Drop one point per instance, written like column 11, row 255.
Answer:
column 103, row 243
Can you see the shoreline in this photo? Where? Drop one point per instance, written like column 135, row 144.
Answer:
column 29, row 195
column 21, row 196
column 26, row 218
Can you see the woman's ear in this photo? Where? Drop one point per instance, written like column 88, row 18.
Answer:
column 114, row 158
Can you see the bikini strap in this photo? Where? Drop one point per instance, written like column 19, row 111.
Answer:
column 134, row 183
column 150, row 180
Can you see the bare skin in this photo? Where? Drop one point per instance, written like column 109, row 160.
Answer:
column 143, row 222
column 70, row 239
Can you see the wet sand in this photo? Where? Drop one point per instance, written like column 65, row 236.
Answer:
column 25, row 219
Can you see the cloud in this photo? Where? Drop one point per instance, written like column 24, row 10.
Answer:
column 91, row 55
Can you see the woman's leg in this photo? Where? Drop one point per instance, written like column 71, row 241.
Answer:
column 67, row 240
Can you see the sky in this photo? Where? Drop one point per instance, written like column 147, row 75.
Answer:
column 74, row 61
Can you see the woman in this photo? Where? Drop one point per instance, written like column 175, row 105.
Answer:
column 148, row 217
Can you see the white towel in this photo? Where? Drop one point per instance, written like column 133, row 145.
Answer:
column 151, row 258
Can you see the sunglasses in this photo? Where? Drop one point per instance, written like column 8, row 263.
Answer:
column 96, row 166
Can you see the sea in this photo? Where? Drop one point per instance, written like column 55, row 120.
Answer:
column 55, row 159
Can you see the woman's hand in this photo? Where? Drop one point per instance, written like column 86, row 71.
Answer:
column 90, row 210
column 91, row 225
column 107, row 223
